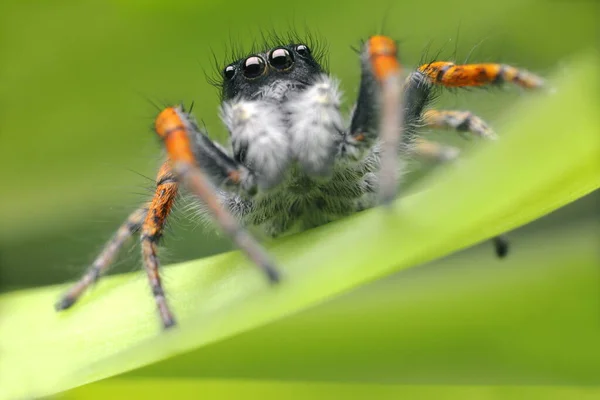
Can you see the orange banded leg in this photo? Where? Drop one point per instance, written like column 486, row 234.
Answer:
column 384, row 58
column 151, row 232
column 378, row 110
column 175, row 128
column 448, row 74
column 461, row 121
column 104, row 260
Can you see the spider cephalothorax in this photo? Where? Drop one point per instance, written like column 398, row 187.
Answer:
column 270, row 73
column 295, row 160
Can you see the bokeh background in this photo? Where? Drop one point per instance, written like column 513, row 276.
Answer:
column 79, row 80
column 78, row 84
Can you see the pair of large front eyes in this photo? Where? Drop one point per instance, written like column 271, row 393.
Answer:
column 279, row 58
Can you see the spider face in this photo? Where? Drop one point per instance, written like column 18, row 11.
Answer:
column 270, row 73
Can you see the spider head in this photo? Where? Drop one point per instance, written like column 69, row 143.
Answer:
column 271, row 74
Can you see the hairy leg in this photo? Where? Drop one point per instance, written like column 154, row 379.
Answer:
column 459, row 121
column 448, row 74
column 151, row 232
column 174, row 127
column 150, row 221
column 104, row 260
column 378, row 116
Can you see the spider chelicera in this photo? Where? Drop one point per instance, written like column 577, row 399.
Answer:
column 295, row 161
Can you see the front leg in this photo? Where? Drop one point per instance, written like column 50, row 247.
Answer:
column 150, row 221
column 176, row 129
column 151, row 232
column 378, row 115
column 378, row 60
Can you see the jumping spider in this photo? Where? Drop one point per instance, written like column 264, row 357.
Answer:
column 295, row 162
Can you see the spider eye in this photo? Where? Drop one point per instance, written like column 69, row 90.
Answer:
column 303, row 50
column 281, row 59
column 229, row 71
column 254, row 67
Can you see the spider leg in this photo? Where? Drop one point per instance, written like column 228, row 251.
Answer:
column 460, row 121
column 448, row 74
column 174, row 127
column 104, row 260
column 223, row 171
column 150, row 221
column 151, row 232
column 378, row 113
column 418, row 92
column 434, row 151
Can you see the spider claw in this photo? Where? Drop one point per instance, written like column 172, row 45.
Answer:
column 64, row 303
column 169, row 323
column 501, row 246
column 272, row 273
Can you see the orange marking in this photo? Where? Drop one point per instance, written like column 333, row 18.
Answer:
column 170, row 126
column 161, row 204
column 383, row 54
column 452, row 75
column 449, row 74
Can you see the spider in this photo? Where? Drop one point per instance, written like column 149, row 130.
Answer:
column 295, row 162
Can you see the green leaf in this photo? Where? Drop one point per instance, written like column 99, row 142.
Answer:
column 466, row 319
column 237, row 389
column 548, row 157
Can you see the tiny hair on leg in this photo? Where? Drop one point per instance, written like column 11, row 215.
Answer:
column 435, row 151
column 151, row 232
column 378, row 116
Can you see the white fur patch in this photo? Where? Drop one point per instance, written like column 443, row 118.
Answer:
column 316, row 125
column 258, row 135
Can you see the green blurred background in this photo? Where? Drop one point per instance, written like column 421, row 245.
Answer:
column 77, row 83
column 78, row 80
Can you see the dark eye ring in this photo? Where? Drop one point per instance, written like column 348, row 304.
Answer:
column 303, row 50
column 253, row 67
column 229, row 72
column 281, row 58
